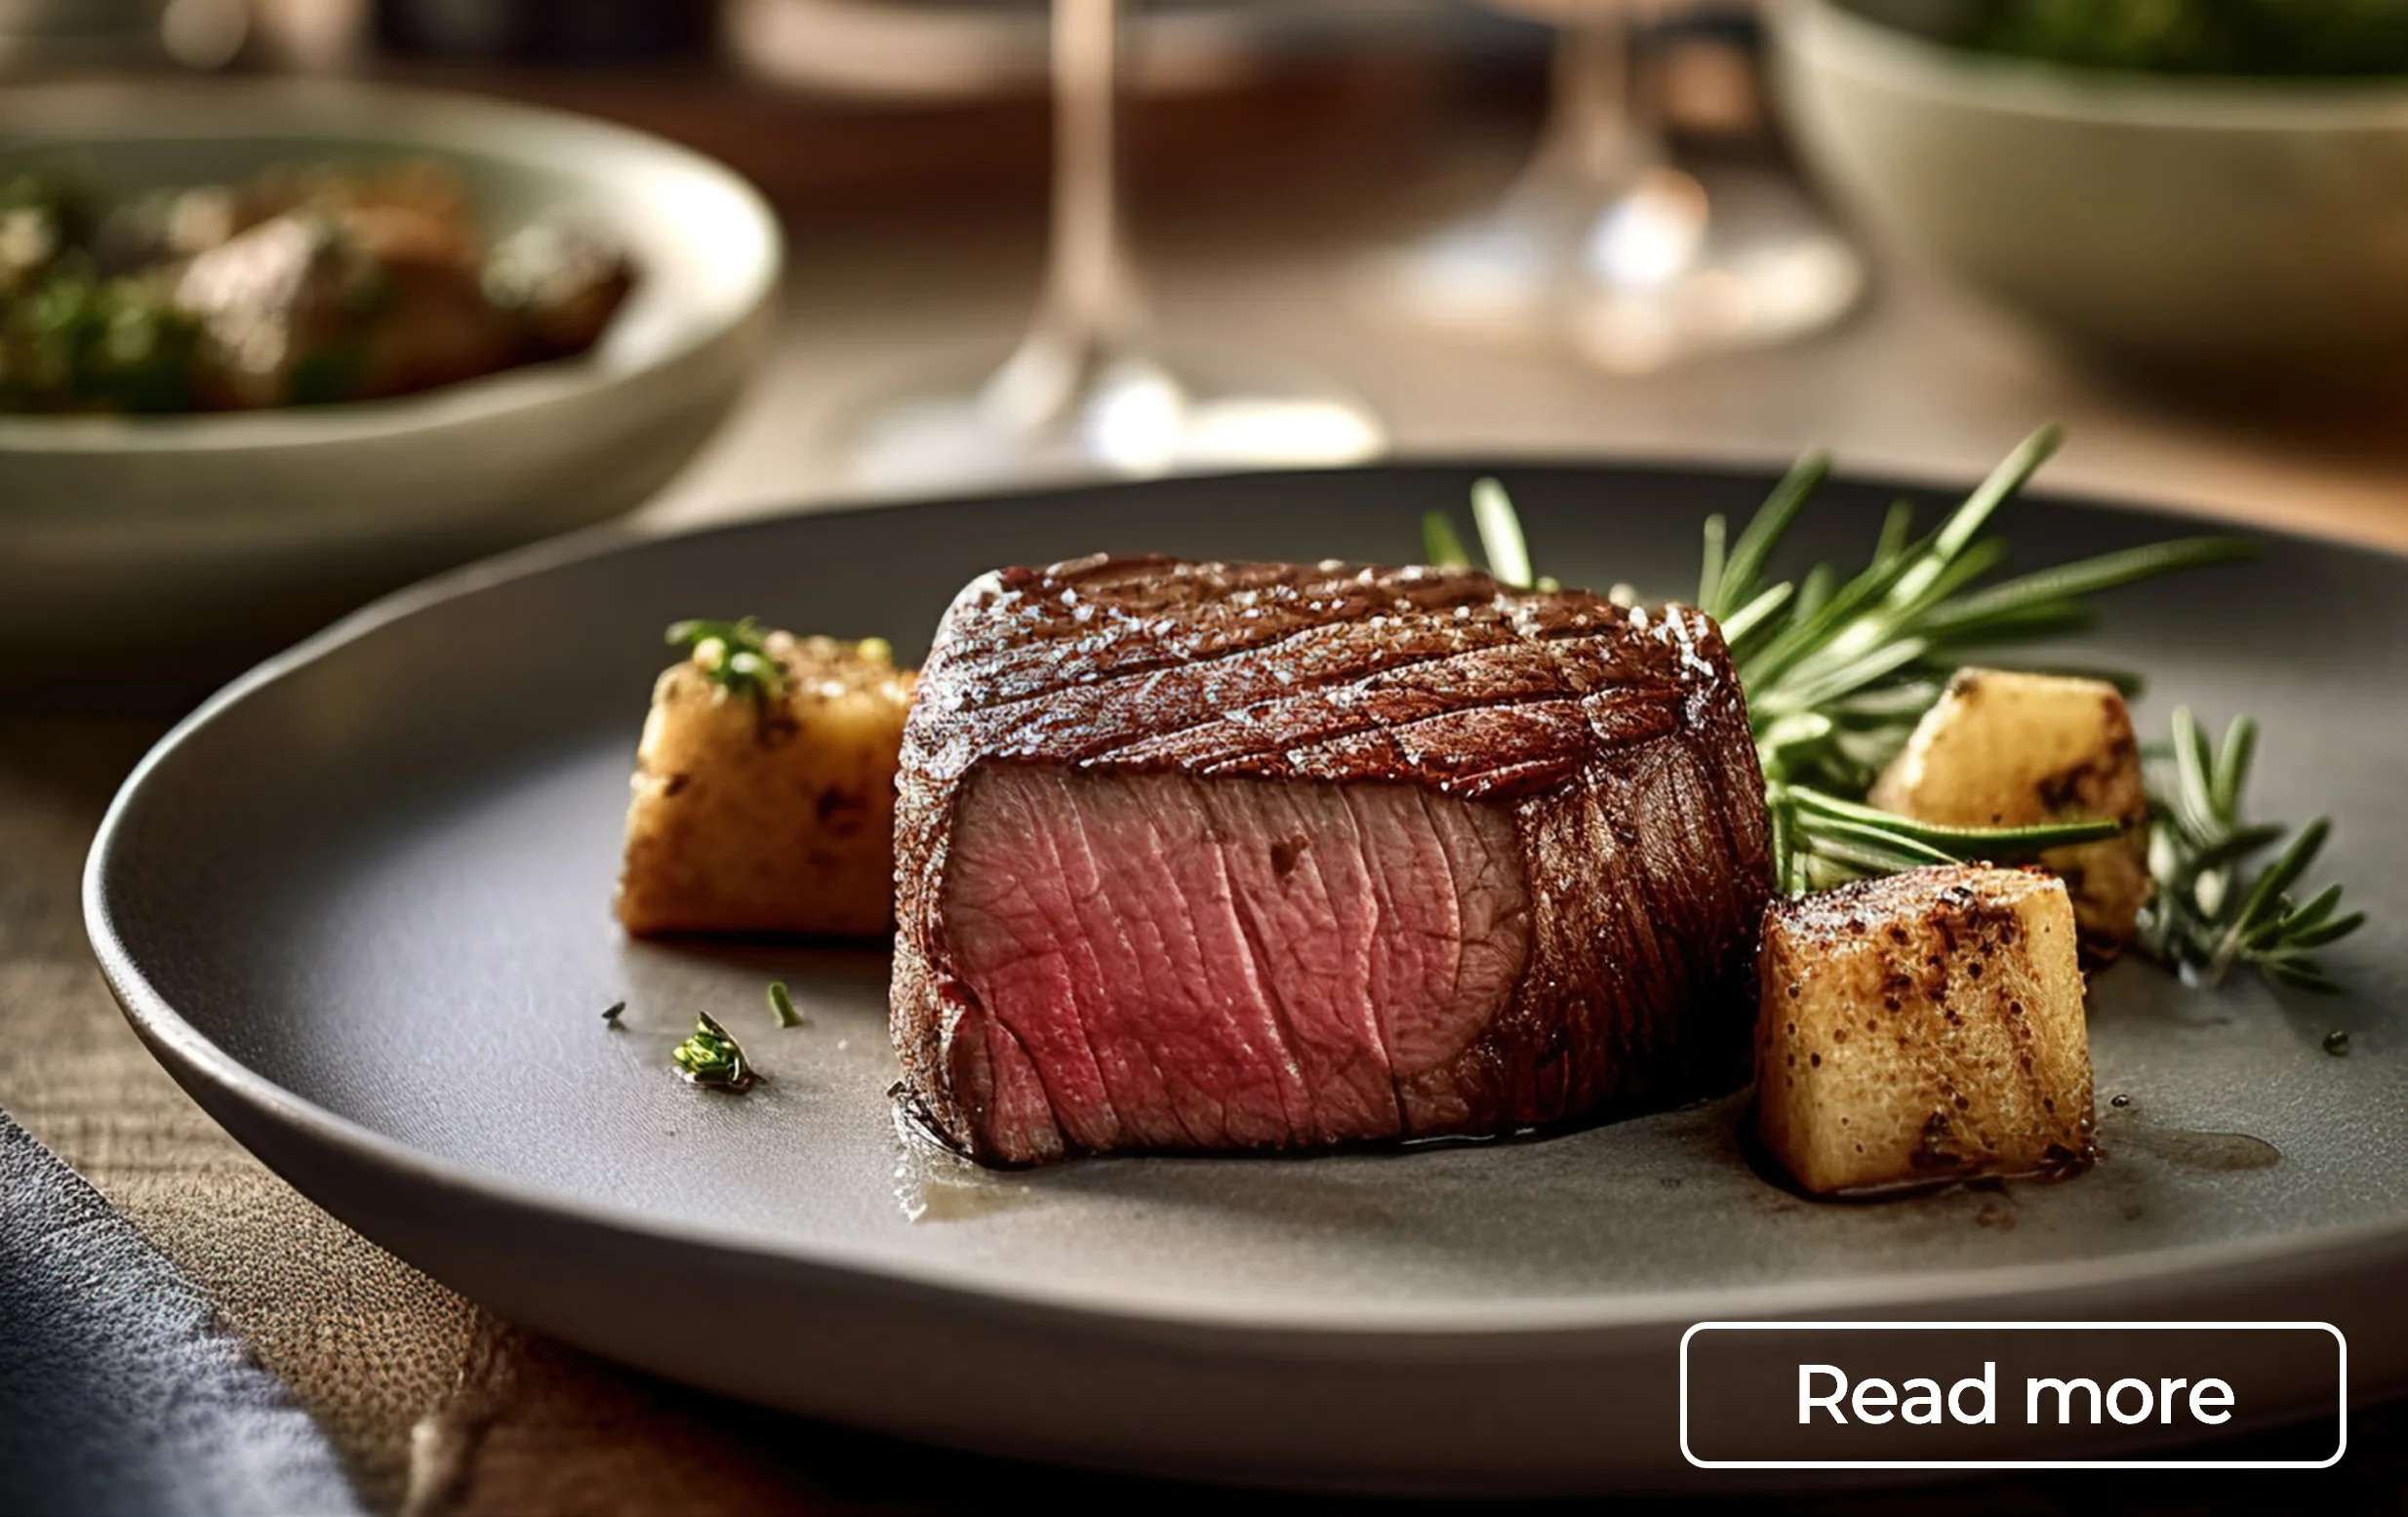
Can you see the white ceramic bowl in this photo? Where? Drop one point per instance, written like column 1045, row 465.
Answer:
column 173, row 533
column 2203, row 223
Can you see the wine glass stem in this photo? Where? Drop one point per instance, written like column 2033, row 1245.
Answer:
column 1088, row 316
column 1598, row 130
column 1092, row 286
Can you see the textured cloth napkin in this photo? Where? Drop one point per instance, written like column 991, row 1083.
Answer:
column 118, row 1390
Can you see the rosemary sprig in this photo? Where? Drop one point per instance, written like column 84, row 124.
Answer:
column 710, row 1058
column 2212, row 909
column 734, row 656
column 1839, row 669
column 1820, row 840
column 1501, row 533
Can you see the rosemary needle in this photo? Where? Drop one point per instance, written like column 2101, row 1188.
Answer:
column 2212, row 909
column 782, row 1005
column 1501, row 533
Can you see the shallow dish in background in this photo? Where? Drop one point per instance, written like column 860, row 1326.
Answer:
column 168, row 535
column 2177, row 223
column 380, row 954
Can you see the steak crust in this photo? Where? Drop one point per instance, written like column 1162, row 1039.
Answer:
column 1591, row 858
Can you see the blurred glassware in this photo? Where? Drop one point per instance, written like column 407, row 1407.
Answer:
column 963, row 48
column 44, row 35
column 1088, row 391
column 310, row 37
column 1604, row 241
column 956, row 50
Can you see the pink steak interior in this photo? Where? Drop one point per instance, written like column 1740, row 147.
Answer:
column 1164, row 961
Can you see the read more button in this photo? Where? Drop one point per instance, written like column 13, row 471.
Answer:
column 1790, row 1395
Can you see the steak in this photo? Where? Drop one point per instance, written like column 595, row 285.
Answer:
column 1277, row 857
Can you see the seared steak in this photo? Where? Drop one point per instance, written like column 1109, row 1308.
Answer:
column 1277, row 855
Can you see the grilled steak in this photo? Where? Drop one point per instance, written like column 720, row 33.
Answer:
column 1276, row 856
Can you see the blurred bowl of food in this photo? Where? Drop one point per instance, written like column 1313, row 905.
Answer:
column 2195, row 188
column 266, row 348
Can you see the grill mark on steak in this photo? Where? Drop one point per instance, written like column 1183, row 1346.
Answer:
column 1278, row 623
column 1404, row 872
column 1489, row 611
column 1633, row 719
column 1055, row 732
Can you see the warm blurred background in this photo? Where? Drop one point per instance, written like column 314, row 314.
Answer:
column 303, row 300
column 1908, row 231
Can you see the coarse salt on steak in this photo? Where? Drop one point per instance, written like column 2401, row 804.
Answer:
column 1278, row 856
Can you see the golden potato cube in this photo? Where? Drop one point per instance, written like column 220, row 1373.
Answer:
column 1924, row 1026
column 769, row 814
column 2002, row 749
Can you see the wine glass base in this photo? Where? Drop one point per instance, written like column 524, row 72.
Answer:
column 1133, row 418
column 1671, row 265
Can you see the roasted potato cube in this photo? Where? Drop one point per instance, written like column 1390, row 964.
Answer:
column 2002, row 749
column 1923, row 1026
column 770, row 812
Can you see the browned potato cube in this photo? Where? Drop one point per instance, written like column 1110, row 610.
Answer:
column 769, row 814
column 1924, row 1026
column 2003, row 749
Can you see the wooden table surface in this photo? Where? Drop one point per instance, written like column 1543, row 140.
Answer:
column 440, row 1409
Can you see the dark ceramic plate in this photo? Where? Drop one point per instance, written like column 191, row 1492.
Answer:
column 358, row 905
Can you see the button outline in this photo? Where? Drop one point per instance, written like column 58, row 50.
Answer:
column 2342, row 1410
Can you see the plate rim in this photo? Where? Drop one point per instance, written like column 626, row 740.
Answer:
column 189, row 1056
